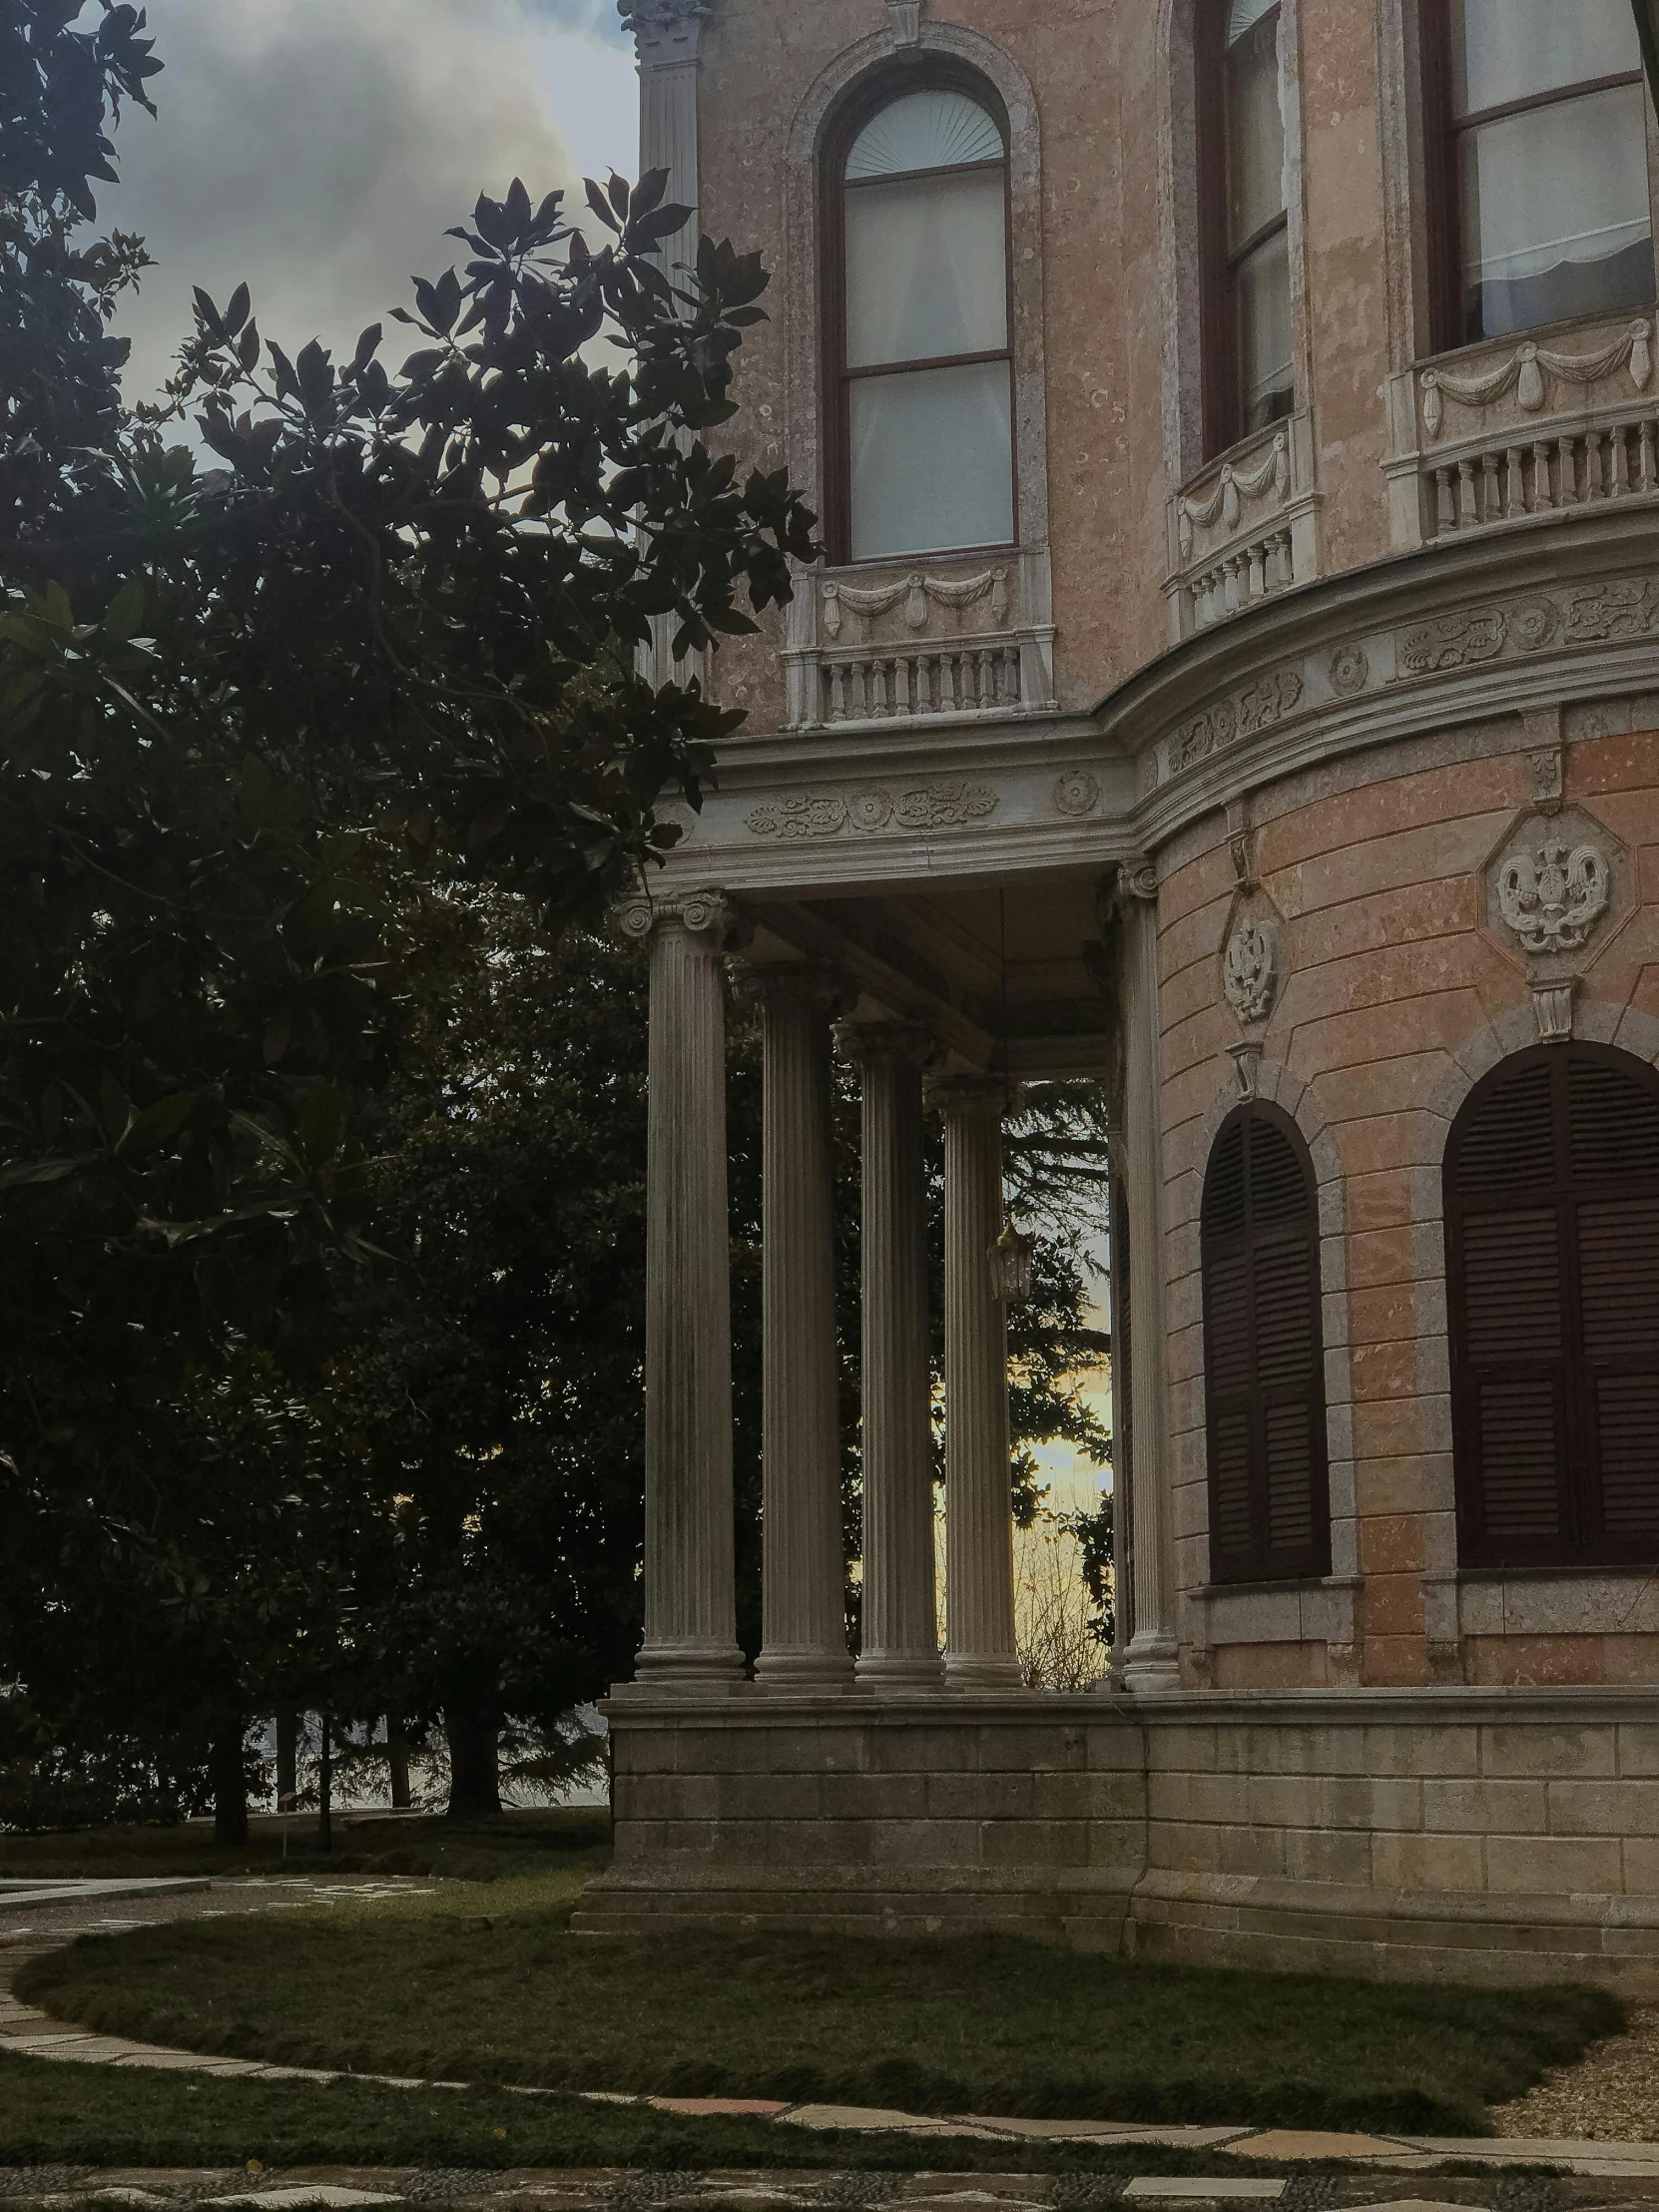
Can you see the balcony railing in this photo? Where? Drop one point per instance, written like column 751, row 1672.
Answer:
column 868, row 648
column 1500, row 434
column 1244, row 529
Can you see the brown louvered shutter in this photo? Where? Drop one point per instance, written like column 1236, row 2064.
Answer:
column 1552, row 1255
column 1264, row 1363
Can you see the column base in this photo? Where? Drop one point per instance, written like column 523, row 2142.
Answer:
column 900, row 1671
column 966, row 1670
column 1151, row 1663
column 803, row 1670
column 691, row 1667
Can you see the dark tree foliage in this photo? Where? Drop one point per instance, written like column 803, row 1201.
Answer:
column 393, row 628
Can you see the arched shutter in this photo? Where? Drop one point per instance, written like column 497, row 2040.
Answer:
column 1552, row 1248
column 1264, row 1360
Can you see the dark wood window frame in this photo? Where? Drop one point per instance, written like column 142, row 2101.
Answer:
column 836, row 379
column 1581, row 1540
column 1218, row 260
column 1442, row 200
column 1258, row 1558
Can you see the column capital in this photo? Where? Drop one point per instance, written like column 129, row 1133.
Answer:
column 1138, row 880
column 796, row 983
column 972, row 1098
column 665, row 31
column 701, row 911
column 885, row 1044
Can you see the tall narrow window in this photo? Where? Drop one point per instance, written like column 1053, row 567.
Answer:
column 1264, row 1354
column 1545, row 208
column 1249, row 375
column 925, row 418
column 1552, row 1255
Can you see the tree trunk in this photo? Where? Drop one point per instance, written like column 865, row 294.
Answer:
column 474, row 1730
column 397, row 1762
column 325, row 1788
column 229, row 1782
column 288, row 1758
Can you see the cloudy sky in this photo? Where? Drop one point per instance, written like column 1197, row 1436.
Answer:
column 319, row 148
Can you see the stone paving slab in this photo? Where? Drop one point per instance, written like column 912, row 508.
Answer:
column 1187, row 2189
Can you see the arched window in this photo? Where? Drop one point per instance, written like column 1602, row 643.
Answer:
column 1264, row 1354
column 1249, row 377
column 1539, row 160
column 1552, row 1255
column 923, row 457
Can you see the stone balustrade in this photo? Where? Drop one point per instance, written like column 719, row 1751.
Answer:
column 1243, row 528
column 1496, row 435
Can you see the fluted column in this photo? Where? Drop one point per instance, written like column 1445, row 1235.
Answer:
column 900, row 1618
column 1151, row 1661
column 690, row 1607
column 978, row 1510
column 804, row 1589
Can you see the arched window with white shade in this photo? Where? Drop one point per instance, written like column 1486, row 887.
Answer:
column 1249, row 380
column 923, row 457
column 1538, row 163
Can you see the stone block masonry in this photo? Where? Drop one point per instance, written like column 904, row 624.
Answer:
column 1502, row 1836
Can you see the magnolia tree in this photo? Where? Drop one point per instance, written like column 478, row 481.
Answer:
column 269, row 653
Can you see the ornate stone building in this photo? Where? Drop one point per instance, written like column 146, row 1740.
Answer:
column 1234, row 676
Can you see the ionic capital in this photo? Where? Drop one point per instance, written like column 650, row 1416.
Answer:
column 793, row 983
column 702, row 912
column 1138, row 880
column 884, row 1044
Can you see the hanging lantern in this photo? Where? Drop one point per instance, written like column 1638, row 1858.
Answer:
column 1013, row 1259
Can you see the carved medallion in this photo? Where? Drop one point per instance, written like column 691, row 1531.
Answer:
column 1552, row 899
column 1349, row 670
column 1077, row 793
column 1250, row 971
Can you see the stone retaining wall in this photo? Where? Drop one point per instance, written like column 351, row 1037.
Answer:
column 1505, row 1835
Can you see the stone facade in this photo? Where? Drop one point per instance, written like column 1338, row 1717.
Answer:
column 1383, row 816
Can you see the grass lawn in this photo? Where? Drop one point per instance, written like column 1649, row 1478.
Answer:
column 488, row 1985
column 363, row 1844
column 99, row 2116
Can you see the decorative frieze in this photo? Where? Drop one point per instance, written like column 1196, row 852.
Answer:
column 923, row 807
column 1257, row 706
column 1523, row 372
column 918, row 595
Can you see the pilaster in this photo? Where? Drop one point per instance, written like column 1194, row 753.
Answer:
column 1151, row 1661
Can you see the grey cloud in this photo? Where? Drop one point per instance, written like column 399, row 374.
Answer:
column 588, row 18
column 319, row 150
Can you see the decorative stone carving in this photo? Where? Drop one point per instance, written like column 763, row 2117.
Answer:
column 916, row 593
column 664, row 30
column 1553, row 898
column 1625, row 609
column 1247, row 1067
column 1349, row 671
column 1077, row 793
column 1138, row 880
column 1449, row 642
column 703, row 911
column 1525, row 369
column 1257, row 707
column 1271, row 475
column 940, row 806
column 1552, row 1004
column 1546, row 770
column 1251, row 970
column 905, row 21
column 1533, row 623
